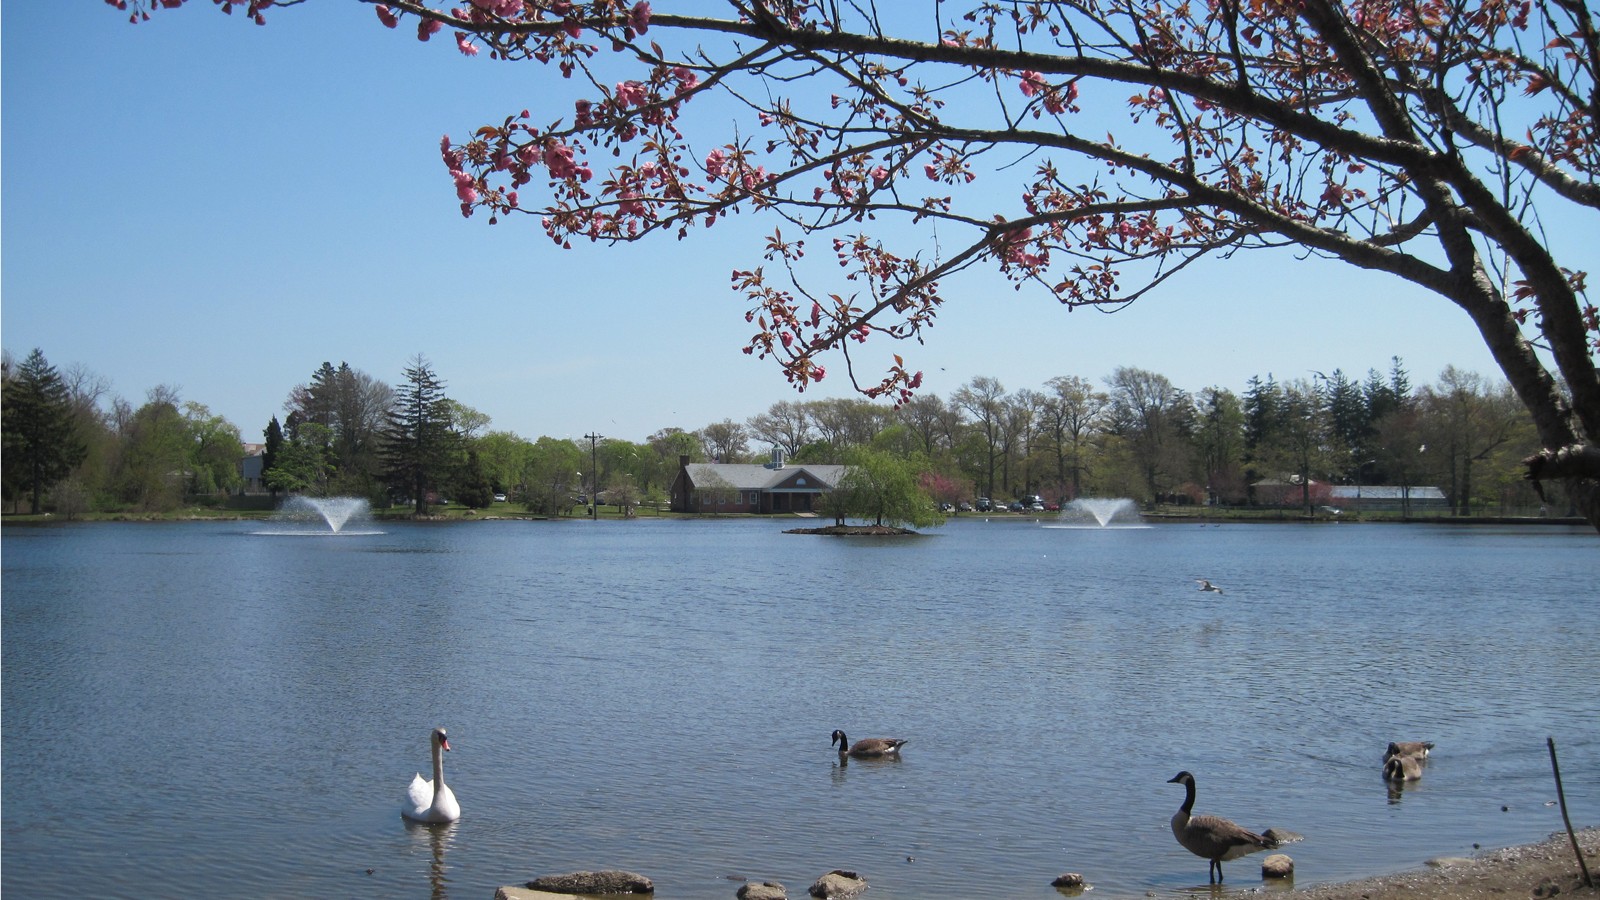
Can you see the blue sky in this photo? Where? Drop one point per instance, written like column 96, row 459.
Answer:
column 219, row 207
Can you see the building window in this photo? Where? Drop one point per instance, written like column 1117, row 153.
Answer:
column 800, row 482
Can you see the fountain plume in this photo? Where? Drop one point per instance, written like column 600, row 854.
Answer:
column 1102, row 510
column 333, row 512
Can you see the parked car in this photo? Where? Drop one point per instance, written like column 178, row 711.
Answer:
column 1015, row 506
column 963, row 506
column 985, row 504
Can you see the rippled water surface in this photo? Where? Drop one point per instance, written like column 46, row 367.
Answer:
column 205, row 710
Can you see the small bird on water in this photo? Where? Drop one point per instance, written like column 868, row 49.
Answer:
column 1207, row 586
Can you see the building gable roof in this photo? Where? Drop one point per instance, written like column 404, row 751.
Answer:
column 750, row 477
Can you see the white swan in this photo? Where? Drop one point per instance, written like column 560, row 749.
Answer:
column 432, row 801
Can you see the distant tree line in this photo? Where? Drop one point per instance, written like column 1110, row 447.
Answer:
column 1138, row 435
column 70, row 447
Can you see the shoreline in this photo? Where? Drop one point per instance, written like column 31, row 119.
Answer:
column 1542, row 870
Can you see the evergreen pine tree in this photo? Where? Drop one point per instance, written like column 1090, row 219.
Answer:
column 419, row 446
column 41, row 441
column 269, row 455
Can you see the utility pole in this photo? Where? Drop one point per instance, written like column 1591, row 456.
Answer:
column 594, row 476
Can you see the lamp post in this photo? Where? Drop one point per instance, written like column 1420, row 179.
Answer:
column 594, row 499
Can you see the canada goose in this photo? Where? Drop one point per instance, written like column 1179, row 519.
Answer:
column 1207, row 586
column 1418, row 749
column 1402, row 768
column 1210, row 837
column 867, row 748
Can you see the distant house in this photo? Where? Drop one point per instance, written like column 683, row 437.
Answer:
column 1416, row 498
column 773, row 487
column 1387, row 496
column 250, row 467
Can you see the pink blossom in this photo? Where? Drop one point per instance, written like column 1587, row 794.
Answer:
column 1032, row 83
column 714, row 163
column 466, row 47
column 639, row 17
column 427, row 28
column 630, row 93
column 932, row 171
column 880, row 175
column 386, row 16
column 558, row 160
column 466, row 190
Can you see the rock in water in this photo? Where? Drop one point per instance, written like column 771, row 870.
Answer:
column 766, row 890
column 610, row 881
column 1278, row 865
column 838, row 885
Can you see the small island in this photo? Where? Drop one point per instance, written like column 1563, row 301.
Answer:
column 870, row 530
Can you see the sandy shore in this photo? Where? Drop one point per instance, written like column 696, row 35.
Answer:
column 1543, row 870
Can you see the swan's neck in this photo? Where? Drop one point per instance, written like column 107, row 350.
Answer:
column 438, row 770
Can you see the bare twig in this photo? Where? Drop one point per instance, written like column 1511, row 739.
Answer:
column 1561, row 795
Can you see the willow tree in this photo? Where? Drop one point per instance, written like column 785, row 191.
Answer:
column 1113, row 142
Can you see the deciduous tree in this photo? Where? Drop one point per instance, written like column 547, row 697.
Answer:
column 304, row 464
column 1426, row 140
column 883, row 488
column 151, row 468
column 214, row 448
column 726, row 441
column 785, row 425
column 1154, row 418
column 983, row 398
column 1070, row 414
column 550, row 479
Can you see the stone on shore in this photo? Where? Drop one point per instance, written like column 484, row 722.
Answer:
column 1278, row 865
column 762, row 890
column 1069, row 881
column 516, row 892
column 609, row 881
column 838, row 885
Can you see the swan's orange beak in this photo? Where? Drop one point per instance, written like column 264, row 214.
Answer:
column 444, row 742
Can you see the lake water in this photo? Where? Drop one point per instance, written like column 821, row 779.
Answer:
column 201, row 709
